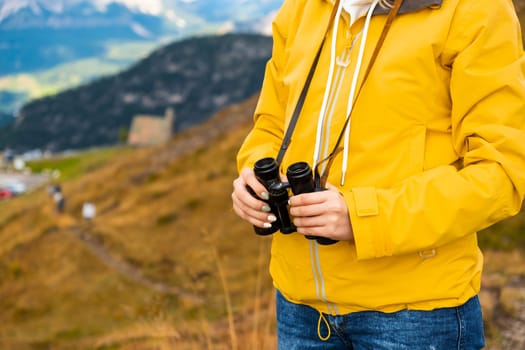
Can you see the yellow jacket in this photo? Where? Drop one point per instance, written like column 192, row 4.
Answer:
column 436, row 149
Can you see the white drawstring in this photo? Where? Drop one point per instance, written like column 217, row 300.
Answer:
column 322, row 113
column 353, row 88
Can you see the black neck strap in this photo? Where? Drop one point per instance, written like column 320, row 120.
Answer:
column 300, row 102
column 298, row 107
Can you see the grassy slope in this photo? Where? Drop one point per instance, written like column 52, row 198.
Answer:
column 159, row 218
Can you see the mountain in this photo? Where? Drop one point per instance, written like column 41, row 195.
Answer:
column 196, row 77
column 42, row 39
column 35, row 37
column 38, row 34
column 5, row 119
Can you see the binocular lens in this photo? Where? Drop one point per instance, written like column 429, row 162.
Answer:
column 266, row 169
column 300, row 178
column 298, row 170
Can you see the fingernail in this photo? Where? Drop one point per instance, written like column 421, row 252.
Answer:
column 265, row 195
column 272, row 218
column 266, row 208
column 267, row 225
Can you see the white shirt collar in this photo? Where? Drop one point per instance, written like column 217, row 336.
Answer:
column 356, row 8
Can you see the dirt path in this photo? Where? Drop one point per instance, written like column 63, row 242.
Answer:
column 116, row 263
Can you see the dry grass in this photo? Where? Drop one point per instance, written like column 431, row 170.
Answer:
column 164, row 221
column 503, row 299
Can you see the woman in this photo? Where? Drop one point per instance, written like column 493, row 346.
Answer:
column 433, row 151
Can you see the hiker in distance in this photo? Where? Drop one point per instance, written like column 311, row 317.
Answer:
column 411, row 117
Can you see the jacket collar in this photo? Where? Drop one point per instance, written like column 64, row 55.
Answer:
column 408, row 6
column 411, row 5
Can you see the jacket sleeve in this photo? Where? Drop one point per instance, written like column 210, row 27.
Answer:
column 441, row 205
column 265, row 138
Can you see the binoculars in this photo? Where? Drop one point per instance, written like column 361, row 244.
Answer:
column 300, row 180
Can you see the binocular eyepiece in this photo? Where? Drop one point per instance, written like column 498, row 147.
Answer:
column 300, row 180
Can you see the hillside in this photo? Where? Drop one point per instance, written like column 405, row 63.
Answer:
column 149, row 264
column 196, row 77
column 166, row 264
column 5, row 119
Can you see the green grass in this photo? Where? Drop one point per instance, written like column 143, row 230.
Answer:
column 130, row 52
column 73, row 166
column 58, row 78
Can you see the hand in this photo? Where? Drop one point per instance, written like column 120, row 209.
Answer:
column 249, row 208
column 322, row 214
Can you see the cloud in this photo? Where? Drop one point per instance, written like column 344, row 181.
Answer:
column 172, row 16
column 267, row 23
column 152, row 7
column 140, row 30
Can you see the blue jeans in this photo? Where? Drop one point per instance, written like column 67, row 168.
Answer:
column 452, row 328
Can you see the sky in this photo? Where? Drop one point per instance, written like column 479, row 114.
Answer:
column 154, row 7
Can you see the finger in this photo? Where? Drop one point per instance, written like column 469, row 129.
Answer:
column 248, row 177
column 310, row 198
column 308, row 222
column 245, row 197
column 307, row 210
column 255, row 217
column 250, row 205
